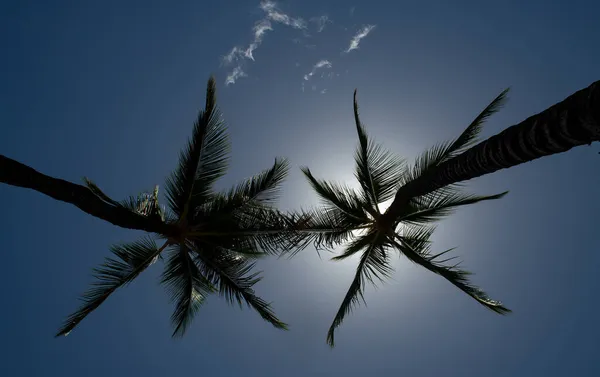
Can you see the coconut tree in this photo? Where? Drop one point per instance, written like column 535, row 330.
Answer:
column 428, row 191
column 355, row 216
column 207, row 240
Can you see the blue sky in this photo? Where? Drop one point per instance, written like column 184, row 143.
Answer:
column 109, row 90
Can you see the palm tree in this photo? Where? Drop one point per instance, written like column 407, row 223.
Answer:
column 210, row 240
column 356, row 216
column 573, row 122
column 428, row 191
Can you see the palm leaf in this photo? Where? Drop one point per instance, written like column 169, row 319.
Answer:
column 131, row 259
column 420, row 255
column 439, row 153
column 232, row 276
column 339, row 196
column 373, row 265
column 251, row 229
column 357, row 245
column 324, row 228
column 377, row 170
column 435, row 206
column 202, row 162
column 187, row 287
column 469, row 136
column 263, row 187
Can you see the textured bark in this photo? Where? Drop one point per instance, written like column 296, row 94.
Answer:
column 17, row 174
column 570, row 123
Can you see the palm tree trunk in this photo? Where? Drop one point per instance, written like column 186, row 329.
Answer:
column 573, row 122
column 17, row 174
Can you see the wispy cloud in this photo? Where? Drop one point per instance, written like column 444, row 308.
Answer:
column 260, row 28
column 321, row 22
column 232, row 56
column 352, row 9
column 275, row 15
column 323, row 91
column 320, row 64
column 272, row 14
column 234, row 75
column 359, row 35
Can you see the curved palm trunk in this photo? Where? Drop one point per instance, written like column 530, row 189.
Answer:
column 573, row 122
column 17, row 174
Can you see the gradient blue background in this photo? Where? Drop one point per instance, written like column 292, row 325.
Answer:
column 109, row 90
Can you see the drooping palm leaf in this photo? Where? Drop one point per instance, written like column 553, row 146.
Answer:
column 202, row 162
column 187, row 287
column 233, row 278
column 358, row 244
column 419, row 254
column 131, row 259
column 373, row 265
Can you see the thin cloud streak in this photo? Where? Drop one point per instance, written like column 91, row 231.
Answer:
column 359, row 36
column 275, row 15
column 232, row 56
column 272, row 14
column 320, row 64
column 234, row 75
column 321, row 22
column 260, row 28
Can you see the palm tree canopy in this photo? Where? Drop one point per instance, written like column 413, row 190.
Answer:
column 219, row 236
column 355, row 217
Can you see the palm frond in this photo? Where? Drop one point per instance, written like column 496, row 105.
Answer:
column 202, row 162
column 357, row 245
column 260, row 190
column 251, row 230
column 187, row 287
column 338, row 196
column 233, row 278
column 469, row 136
column 377, row 170
column 131, row 259
column 437, row 205
column 263, row 187
column 441, row 152
column 324, row 228
column 373, row 265
column 420, row 254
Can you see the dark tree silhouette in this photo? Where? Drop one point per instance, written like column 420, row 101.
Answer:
column 211, row 239
column 428, row 191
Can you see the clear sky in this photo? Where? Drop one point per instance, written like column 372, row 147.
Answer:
column 109, row 90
